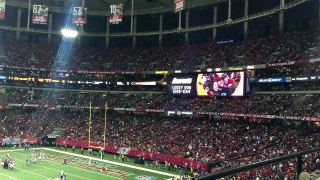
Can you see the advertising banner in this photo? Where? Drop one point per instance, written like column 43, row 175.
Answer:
column 271, row 80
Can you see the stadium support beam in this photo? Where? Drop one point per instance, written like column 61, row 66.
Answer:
column 29, row 11
column 246, row 12
column 18, row 25
column 49, row 28
column 281, row 17
column 80, row 27
column 134, row 39
column 186, row 35
column 161, row 29
column 132, row 8
column 108, row 33
column 229, row 10
column 215, row 19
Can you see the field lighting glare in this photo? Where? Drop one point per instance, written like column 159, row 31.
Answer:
column 69, row 33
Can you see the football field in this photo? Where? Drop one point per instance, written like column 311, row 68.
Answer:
column 77, row 167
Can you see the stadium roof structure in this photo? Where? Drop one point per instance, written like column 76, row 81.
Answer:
column 102, row 7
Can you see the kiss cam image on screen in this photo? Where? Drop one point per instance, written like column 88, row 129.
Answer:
column 208, row 84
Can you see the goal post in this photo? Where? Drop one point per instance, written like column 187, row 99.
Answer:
column 104, row 129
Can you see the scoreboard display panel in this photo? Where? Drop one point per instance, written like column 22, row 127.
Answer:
column 208, row 84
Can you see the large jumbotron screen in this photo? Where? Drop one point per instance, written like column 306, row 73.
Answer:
column 208, row 84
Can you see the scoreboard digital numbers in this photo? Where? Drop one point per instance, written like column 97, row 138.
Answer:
column 40, row 14
column 79, row 15
column 116, row 11
column 178, row 5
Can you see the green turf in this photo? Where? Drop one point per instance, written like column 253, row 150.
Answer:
column 51, row 167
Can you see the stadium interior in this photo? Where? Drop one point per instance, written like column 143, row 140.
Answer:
column 204, row 89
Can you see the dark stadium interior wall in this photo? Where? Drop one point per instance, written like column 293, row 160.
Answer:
column 303, row 17
column 201, row 36
column 57, row 22
column 256, row 6
column 222, row 13
column 96, row 24
column 124, row 26
column 235, row 31
column 93, row 42
column 173, row 39
column 237, row 9
column 264, row 26
column 121, row 42
column 200, row 16
column 171, row 20
column 147, row 41
column 148, row 22
column 10, row 16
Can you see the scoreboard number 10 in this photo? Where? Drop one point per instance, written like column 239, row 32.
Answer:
column 113, row 9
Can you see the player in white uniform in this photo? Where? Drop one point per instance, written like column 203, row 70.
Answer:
column 11, row 164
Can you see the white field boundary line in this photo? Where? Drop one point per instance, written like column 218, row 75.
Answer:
column 14, row 150
column 8, row 176
column 115, row 163
column 51, row 168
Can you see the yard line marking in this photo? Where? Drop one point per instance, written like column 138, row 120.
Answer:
column 122, row 173
column 51, row 168
column 47, row 159
column 33, row 173
column 115, row 163
column 8, row 176
column 67, row 173
column 87, row 170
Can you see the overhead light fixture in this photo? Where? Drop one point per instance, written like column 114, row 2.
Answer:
column 69, row 33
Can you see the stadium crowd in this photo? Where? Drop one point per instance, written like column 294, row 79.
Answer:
column 284, row 105
column 273, row 49
column 227, row 142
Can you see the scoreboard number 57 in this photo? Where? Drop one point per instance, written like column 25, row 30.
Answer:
column 77, row 11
